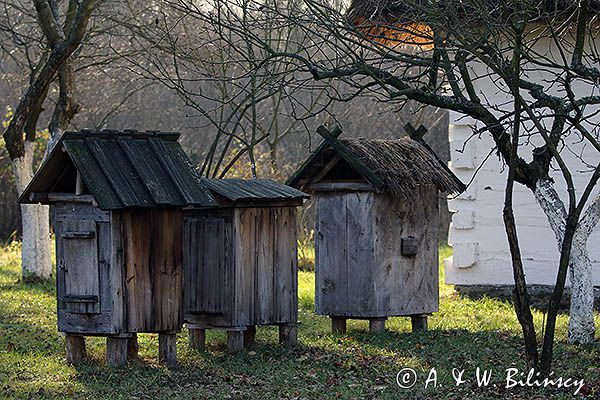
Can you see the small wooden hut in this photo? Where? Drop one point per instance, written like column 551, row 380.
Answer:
column 376, row 236
column 240, row 262
column 117, row 218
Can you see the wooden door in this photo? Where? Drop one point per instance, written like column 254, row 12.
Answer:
column 88, row 286
column 207, row 264
column 79, row 266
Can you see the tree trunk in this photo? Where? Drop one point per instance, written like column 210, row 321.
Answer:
column 581, row 313
column 35, row 252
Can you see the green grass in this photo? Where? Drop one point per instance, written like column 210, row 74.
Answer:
column 465, row 334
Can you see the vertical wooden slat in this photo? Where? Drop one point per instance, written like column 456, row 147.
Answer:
column 286, row 265
column 153, row 258
column 360, row 254
column 264, row 241
column 331, row 241
column 117, row 273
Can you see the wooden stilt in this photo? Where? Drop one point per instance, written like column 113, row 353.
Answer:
column 235, row 341
column 132, row 347
column 419, row 322
column 167, row 348
column 338, row 325
column 377, row 325
column 288, row 334
column 250, row 336
column 75, row 348
column 116, row 351
column 197, row 338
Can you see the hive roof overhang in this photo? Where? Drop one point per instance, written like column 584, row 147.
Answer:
column 397, row 166
column 124, row 169
column 254, row 190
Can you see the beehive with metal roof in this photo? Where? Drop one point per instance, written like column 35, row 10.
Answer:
column 118, row 201
column 240, row 261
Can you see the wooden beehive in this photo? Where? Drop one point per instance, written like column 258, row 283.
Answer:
column 376, row 235
column 117, row 218
column 240, row 262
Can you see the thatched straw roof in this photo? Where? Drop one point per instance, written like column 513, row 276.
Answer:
column 403, row 165
column 398, row 166
column 425, row 11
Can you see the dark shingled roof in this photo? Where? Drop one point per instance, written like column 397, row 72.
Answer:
column 124, row 169
column 253, row 190
column 398, row 166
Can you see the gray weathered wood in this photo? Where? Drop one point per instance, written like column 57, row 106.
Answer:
column 117, row 274
column 75, row 349
column 248, row 257
column 264, row 265
column 331, row 294
column 197, row 338
column 286, row 266
column 338, row 325
column 377, row 325
column 340, row 187
column 79, row 263
column 116, row 351
column 406, row 285
column 208, row 269
column 288, row 334
column 235, row 341
column 63, row 212
column 419, row 323
column 360, row 254
column 250, row 336
column 167, row 348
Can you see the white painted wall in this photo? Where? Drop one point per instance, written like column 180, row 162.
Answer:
column 481, row 254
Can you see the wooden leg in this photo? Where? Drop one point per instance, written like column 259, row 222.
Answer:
column 338, row 325
column 377, row 325
column 235, row 341
column 132, row 347
column 419, row 322
column 167, row 349
column 250, row 336
column 197, row 338
column 116, row 351
column 75, row 347
column 288, row 334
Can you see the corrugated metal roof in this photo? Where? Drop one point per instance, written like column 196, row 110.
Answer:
column 129, row 169
column 253, row 190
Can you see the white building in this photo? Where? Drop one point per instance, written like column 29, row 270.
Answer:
column 481, row 255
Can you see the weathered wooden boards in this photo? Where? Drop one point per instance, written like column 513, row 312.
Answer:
column 118, row 273
column 240, row 271
column 364, row 266
column 153, row 264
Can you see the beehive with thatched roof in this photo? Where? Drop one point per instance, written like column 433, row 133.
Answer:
column 376, row 236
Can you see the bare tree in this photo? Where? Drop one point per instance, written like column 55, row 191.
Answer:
column 62, row 36
column 540, row 62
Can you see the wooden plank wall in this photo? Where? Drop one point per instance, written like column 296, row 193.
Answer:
column 153, row 260
column 344, row 254
column 407, row 285
column 266, row 265
column 360, row 271
column 208, row 267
